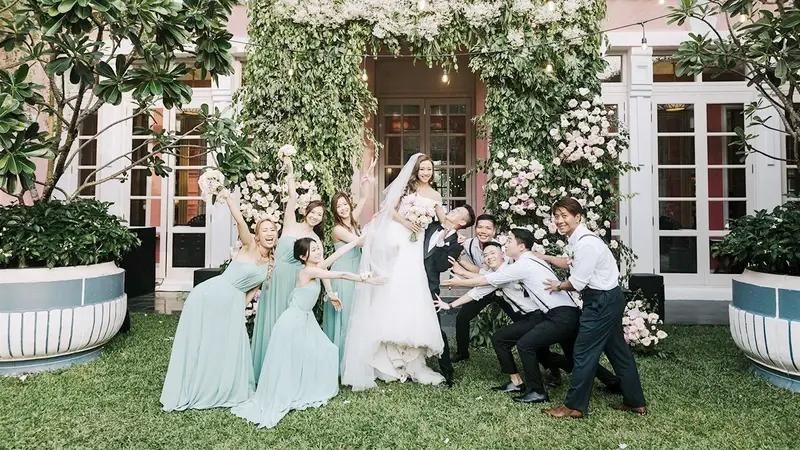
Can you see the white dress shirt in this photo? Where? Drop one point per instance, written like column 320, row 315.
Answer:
column 532, row 272
column 512, row 293
column 436, row 237
column 593, row 265
column 474, row 252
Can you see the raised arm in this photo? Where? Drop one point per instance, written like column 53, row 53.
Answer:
column 241, row 226
column 289, row 218
column 339, row 253
column 480, row 280
column 341, row 233
column 365, row 190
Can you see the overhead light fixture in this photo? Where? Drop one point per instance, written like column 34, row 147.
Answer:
column 644, row 37
column 674, row 107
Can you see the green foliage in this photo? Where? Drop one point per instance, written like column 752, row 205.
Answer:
column 765, row 241
column 60, row 234
column 78, row 44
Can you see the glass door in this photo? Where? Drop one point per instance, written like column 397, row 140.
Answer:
column 439, row 128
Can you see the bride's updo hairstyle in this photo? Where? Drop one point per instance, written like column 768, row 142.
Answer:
column 414, row 182
column 301, row 248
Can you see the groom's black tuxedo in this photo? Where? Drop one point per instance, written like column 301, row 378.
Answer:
column 435, row 261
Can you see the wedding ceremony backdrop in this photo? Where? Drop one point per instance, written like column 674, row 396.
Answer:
column 300, row 75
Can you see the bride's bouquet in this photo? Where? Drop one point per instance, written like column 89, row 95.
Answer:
column 211, row 183
column 419, row 215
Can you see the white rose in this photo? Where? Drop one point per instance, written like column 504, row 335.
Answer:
column 583, row 91
column 572, row 103
column 494, row 186
column 539, row 234
column 504, row 205
column 308, row 167
column 661, row 334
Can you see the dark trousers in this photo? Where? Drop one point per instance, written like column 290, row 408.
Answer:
column 531, row 335
column 445, row 364
column 470, row 311
column 600, row 331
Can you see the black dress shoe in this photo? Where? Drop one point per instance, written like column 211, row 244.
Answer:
column 553, row 379
column 509, row 388
column 532, row 397
column 459, row 358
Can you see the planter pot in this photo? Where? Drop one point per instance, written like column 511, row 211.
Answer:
column 765, row 325
column 53, row 318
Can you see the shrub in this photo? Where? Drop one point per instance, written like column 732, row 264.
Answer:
column 766, row 241
column 59, row 234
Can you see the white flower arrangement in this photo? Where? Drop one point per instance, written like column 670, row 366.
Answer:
column 641, row 327
column 405, row 19
column 263, row 196
column 211, row 182
column 287, row 151
column 583, row 132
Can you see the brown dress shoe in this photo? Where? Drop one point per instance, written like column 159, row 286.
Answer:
column 563, row 411
column 640, row 410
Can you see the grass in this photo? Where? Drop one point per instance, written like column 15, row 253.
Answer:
column 701, row 396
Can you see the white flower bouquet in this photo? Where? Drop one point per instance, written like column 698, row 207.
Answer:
column 419, row 215
column 641, row 327
column 287, row 150
column 211, row 183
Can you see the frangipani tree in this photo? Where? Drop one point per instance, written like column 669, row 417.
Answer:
column 91, row 53
column 760, row 42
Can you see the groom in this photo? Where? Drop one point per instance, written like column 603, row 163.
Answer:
column 441, row 243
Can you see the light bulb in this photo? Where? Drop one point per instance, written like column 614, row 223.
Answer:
column 551, row 6
column 644, row 43
column 364, row 76
column 291, row 72
column 743, row 18
column 445, row 77
column 660, row 2
column 548, row 68
column 422, row 4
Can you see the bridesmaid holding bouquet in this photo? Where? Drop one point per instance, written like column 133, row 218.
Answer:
column 210, row 365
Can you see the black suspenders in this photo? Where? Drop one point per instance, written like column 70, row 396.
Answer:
column 550, row 269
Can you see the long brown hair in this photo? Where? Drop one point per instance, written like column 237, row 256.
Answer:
column 354, row 226
column 413, row 183
column 310, row 207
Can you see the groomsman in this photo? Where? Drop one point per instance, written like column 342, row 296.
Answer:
column 594, row 273
column 440, row 245
column 473, row 261
column 551, row 317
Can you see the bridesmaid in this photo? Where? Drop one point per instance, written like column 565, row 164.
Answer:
column 346, row 229
column 303, row 369
column 210, row 365
column 275, row 294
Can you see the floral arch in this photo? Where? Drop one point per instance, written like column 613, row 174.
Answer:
column 549, row 134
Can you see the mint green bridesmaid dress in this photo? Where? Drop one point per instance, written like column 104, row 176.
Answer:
column 274, row 298
column 303, row 365
column 211, row 365
column 335, row 323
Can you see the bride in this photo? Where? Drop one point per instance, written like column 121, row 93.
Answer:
column 394, row 327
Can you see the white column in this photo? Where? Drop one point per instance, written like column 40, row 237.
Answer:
column 221, row 234
column 767, row 173
column 112, row 143
column 642, row 214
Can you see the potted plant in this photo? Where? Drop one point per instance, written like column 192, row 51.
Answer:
column 61, row 294
column 765, row 311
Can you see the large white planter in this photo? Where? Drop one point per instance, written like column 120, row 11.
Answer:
column 765, row 324
column 53, row 318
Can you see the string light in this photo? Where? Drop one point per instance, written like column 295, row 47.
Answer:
column 548, row 68
column 422, row 4
column 445, row 77
column 291, row 71
column 364, row 76
column 644, row 37
column 660, row 2
column 743, row 18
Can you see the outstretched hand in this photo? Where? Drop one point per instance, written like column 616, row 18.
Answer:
column 552, row 285
column 449, row 283
column 441, row 305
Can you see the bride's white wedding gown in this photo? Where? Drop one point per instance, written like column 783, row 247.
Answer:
column 394, row 326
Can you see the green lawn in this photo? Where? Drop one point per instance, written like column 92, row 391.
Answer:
column 701, row 396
